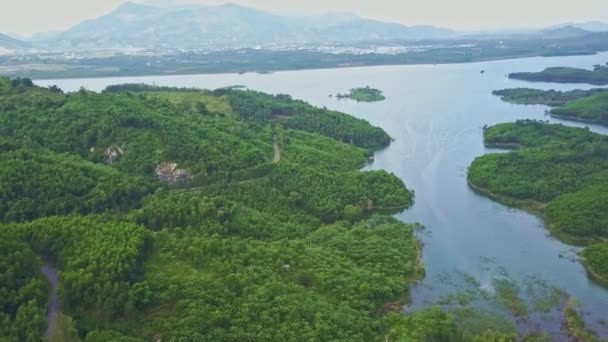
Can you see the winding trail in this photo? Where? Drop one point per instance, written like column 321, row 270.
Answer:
column 277, row 151
column 53, row 307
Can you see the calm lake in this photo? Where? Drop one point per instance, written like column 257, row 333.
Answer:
column 435, row 114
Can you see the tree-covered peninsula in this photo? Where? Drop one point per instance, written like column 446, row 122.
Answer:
column 580, row 105
column 591, row 109
column 556, row 171
column 597, row 76
column 365, row 94
column 551, row 98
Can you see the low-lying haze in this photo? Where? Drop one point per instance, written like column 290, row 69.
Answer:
column 26, row 17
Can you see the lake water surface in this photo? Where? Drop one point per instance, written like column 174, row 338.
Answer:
column 436, row 114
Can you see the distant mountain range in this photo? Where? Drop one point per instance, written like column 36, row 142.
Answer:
column 8, row 43
column 562, row 32
column 177, row 24
column 135, row 25
column 590, row 26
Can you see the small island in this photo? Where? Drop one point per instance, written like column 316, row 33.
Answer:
column 597, row 76
column 366, row 94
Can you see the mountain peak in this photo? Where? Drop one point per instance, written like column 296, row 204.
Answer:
column 132, row 5
column 590, row 26
column 184, row 24
column 567, row 31
column 7, row 42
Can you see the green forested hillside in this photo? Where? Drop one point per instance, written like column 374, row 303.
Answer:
column 556, row 170
column 168, row 217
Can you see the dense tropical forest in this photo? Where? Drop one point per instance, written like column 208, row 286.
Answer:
column 365, row 94
column 597, row 76
column 170, row 216
column 557, row 171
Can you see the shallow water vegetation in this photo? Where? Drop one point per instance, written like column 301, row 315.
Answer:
column 575, row 325
column 430, row 324
column 477, row 324
column 460, row 325
column 506, row 310
column 461, row 298
column 543, row 297
column 509, row 295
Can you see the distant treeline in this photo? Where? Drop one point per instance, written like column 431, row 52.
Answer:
column 597, row 76
column 263, row 61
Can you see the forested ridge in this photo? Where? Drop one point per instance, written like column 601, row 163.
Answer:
column 557, row 171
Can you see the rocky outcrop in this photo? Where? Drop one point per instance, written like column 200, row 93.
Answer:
column 170, row 174
column 112, row 154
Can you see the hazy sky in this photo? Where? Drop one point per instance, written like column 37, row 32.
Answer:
column 29, row 16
